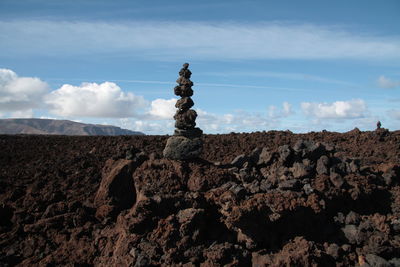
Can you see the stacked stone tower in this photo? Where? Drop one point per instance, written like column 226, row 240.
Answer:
column 186, row 142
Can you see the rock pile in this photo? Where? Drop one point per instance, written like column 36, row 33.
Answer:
column 186, row 142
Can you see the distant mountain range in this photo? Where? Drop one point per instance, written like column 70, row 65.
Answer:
column 59, row 127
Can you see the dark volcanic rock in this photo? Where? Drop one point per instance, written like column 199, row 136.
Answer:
column 184, row 103
column 309, row 149
column 194, row 212
column 116, row 191
column 180, row 148
column 185, row 72
column 185, row 120
column 190, row 133
column 265, row 157
column 183, row 91
column 239, row 161
column 285, row 152
column 323, row 165
column 300, row 170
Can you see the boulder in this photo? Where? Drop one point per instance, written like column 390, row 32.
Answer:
column 117, row 189
column 181, row 148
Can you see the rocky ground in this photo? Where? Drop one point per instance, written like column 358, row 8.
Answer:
column 261, row 199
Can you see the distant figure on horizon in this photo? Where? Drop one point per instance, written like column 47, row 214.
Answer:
column 378, row 125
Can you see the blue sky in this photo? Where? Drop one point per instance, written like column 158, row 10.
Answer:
column 257, row 65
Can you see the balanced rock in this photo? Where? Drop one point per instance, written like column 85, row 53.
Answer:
column 183, row 91
column 186, row 142
column 185, row 119
column 185, row 72
column 184, row 103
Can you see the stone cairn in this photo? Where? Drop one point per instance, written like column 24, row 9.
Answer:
column 186, row 142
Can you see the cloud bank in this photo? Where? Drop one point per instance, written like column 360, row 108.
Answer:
column 196, row 40
column 163, row 108
column 337, row 110
column 94, row 100
column 20, row 94
column 240, row 121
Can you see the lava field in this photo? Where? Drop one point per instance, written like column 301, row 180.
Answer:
column 252, row 199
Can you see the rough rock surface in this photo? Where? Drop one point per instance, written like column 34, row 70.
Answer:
column 116, row 191
column 257, row 199
column 181, row 148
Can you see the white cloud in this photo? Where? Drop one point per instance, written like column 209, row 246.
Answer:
column 240, row 121
column 48, row 118
column 154, row 127
column 384, row 82
column 147, row 127
column 337, row 110
column 20, row 94
column 274, row 112
column 206, row 40
column 163, row 108
column 94, row 100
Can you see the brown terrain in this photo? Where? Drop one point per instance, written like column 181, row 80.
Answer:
column 262, row 199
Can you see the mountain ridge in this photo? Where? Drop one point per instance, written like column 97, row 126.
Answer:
column 59, row 127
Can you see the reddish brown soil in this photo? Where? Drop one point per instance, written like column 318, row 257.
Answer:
column 113, row 201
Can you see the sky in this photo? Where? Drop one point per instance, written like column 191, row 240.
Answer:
column 257, row 65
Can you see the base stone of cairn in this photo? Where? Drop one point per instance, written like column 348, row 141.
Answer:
column 186, row 142
column 181, row 147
